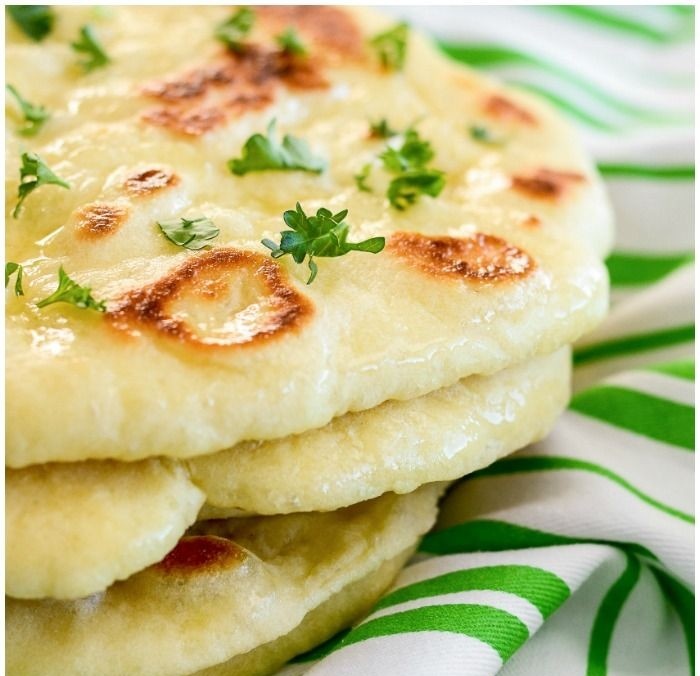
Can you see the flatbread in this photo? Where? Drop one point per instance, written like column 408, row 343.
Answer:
column 235, row 586
column 396, row 446
column 72, row 529
column 199, row 351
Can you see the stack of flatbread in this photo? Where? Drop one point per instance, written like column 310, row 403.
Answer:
column 211, row 465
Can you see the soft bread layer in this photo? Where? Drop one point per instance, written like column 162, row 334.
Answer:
column 177, row 367
column 395, row 447
column 320, row 624
column 73, row 529
column 241, row 585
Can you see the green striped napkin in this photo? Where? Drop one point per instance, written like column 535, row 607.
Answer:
column 575, row 556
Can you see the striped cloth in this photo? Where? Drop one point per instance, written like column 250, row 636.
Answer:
column 575, row 556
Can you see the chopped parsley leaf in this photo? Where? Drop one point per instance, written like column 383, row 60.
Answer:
column 405, row 189
column 290, row 42
column 35, row 21
column 10, row 269
column 69, row 291
column 193, row 234
column 88, row 44
column 391, row 46
column 265, row 153
column 322, row 235
column 32, row 175
column 232, row 31
column 361, row 178
column 34, row 116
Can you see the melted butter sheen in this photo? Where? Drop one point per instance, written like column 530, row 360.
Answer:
column 238, row 354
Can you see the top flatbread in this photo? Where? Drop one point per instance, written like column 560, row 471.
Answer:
column 201, row 350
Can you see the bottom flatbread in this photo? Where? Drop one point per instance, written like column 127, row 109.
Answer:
column 74, row 528
column 227, row 589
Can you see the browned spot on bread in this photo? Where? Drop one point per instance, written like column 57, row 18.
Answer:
column 531, row 222
column 332, row 28
column 249, row 300
column 194, row 553
column 479, row 257
column 504, row 109
column 207, row 97
column 150, row 181
column 546, row 183
column 99, row 219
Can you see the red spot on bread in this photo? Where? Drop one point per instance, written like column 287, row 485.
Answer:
column 546, row 183
column 501, row 108
column 207, row 97
column 479, row 257
column 201, row 552
column 99, row 219
column 150, row 181
column 248, row 301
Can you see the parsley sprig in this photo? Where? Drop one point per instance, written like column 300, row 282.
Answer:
column 391, row 46
column 265, row 153
column 10, row 269
column 35, row 21
column 290, row 42
column 405, row 189
column 88, row 44
column 415, row 153
column 34, row 116
column 32, row 175
column 409, row 162
column 193, row 234
column 323, row 235
column 69, row 291
column 233, row 31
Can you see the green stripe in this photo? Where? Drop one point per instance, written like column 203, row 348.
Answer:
column 504, row 632
column 569, row 108
column 615, row 22
column 677, row 172
column 661, row 419
column 487, row 535
column 546, row 591
column 607, row 616
column 634, row 343
column 683, row 600
column 492, row 56
column 683, row 368
column 631, row 269
column 549, row 463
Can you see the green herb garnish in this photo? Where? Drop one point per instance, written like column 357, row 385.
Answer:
column 69, row 291
column 322, row 235
column 88, row 44
column 34, row 116
column 381, row 129
column 291, row 43
column 232, row 31
column 264, row 153
column 406, row 188
column 35, row 21
column 32, row 175
column 415, row 153
column 10, row 269
column 391, row 46
column 483, row 134
column 193, row 234
column 361, row 178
